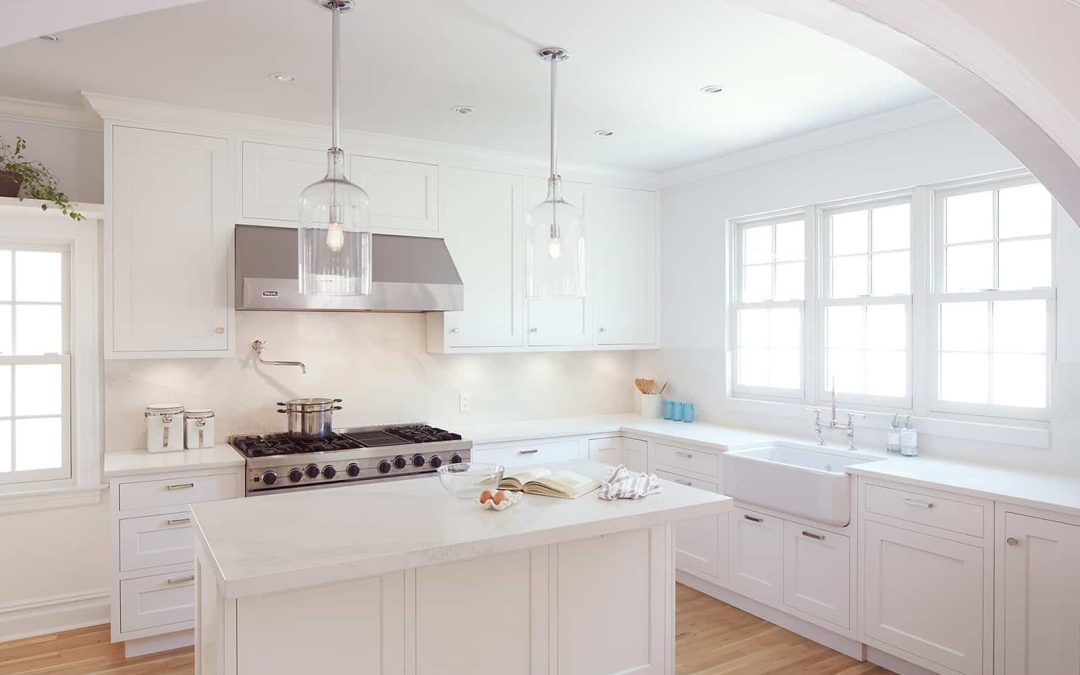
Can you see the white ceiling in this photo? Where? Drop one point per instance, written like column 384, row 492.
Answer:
column 635, row 67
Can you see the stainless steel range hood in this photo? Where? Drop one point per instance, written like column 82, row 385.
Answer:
column 409, row 274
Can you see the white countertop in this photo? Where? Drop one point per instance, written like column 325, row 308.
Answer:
column 1039, row 490
column 137, row 462
column 277, row 542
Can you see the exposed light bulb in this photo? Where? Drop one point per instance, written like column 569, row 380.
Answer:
column 335, row 237
column 554, row 248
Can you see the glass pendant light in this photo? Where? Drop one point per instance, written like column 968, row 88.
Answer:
column 334, row 236
column 556, row 251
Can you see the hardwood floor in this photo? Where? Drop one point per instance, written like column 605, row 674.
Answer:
column 711, row 638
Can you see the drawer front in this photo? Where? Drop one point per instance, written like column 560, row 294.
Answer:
column 160, row 600
column 757, row 554
column 542, row 452
column 817, row 573
column 177, row 491
column 606, row 450
column 152, row 541
column 682, row 459
column 946, row 514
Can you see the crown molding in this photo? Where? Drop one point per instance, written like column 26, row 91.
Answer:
column 119, row 109
column 896, row 119
column 48, row 114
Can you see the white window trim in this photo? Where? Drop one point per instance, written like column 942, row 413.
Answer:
column 26, row 223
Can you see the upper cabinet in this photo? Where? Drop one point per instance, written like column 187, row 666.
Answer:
column 273, row 176
column 169, row 198
column 404, row 195
column 625, row 266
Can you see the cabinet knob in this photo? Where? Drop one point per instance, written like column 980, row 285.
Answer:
column 455, row 330
column 532, row 330
column 220, row 330
column 1012, row 541
column 603, row 330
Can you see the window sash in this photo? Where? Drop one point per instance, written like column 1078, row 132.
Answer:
column 824, row 391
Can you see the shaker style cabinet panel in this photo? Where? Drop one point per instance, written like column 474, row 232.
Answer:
column 698, row 549
column 1040, row 562
column 624, row 270
column 817, row 573
column 483, row 227
column 170, row 199
column 273, row 178
column 757, row 556
column 559, row 321
column 404, row 195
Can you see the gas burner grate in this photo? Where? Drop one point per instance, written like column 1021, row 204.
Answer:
column 423, row 433
column 283, row 444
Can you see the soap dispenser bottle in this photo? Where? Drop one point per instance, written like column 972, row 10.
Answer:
column 892, row 436
column 909, row 439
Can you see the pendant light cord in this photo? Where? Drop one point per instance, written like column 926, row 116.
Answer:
column 554, row 114
column 335, row 122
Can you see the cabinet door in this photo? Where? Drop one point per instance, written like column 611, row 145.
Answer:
column 817, row 573
column 697, row 543
column 756, row 556
column 171, row 222
column 635, row 454
column 924, row 597
column 483, row 233
column 273, row 178
column 404, row 195
column 625, row 266
column 606, row 450
column 560, row 321
column 1041, row 560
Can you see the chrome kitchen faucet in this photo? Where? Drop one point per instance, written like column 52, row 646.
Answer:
column 832, row 424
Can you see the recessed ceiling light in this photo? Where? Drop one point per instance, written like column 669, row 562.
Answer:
column 604, row 132
column 464, row 109
column 712, row 89
column 281, row 77
column 50, row 37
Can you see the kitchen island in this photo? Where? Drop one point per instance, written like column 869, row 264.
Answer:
column 400, row 577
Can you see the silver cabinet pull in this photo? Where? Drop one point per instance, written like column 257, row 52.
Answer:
column 684, row 455
column 753, row 519
column 813, row 535
column 1012, row 541
column 683, row 482
column 528, row 452
column 178, row 521
column 921, row 504
column 181, row 580
column 180, row 486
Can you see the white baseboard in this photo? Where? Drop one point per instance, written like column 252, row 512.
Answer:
column 52, row 615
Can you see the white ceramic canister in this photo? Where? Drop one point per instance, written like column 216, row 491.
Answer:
column 164, row 427
column 198, row 429
column 650, row 405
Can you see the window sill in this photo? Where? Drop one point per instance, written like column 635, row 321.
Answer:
column 50, row 498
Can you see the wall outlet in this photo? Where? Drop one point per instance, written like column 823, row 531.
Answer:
column 465, row 402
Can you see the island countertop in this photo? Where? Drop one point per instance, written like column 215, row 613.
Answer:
column 280, row 542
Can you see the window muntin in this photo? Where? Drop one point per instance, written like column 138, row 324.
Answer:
column 34, row 364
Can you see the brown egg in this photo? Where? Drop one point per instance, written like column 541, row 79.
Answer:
column 486, row 495
column 500, row 497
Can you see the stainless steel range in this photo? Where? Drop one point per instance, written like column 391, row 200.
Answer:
column 287, row 462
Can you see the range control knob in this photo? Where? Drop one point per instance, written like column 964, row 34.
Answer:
column 399, row 462
column 418, row 461
column 384, row 466
column 269, row 478
column 353, row 470
column 455, row 459
column 329, row 472
column 312, row 471
column 295, row 475
column 435, row 462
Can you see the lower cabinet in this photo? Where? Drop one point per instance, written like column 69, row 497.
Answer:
column 817, row 573
column 606, row 450
column 635, row 454
column 159, row 601
column 1039, row 611
column 757, row 556
column 698, row 547
column 524, row 453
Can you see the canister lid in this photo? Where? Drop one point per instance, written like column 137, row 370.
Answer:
column 164, row 409
column 198, row 413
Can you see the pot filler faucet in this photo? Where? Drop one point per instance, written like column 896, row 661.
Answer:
column 833, row 425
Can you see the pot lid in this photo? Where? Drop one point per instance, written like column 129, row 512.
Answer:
column 310, row 404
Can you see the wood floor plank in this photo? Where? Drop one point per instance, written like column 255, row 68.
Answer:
column 712, row 638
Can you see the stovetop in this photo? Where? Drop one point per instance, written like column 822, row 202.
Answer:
column 268, row 445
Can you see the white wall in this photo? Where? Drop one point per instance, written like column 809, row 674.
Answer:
column 73, row 155
column 693, row 231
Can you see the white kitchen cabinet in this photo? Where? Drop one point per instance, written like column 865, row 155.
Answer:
column 923, row 597
column 272, row 178
column 756, row 563
column 168, row 237
column 1039, row 607
column 483, row 227
column 625, row 266
column 635, row 454
column 537, row 451
column 697, row 542
column 606, row 450
column 560, row 321
column 404, row 194
column 817, row 573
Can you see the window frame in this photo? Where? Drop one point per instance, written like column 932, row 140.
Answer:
column 938, row 296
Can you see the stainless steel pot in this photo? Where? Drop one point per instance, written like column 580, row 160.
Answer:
column 310, row 417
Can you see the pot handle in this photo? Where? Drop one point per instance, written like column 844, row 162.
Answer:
column 337, row 407
column 337, row 400
column 279, row 403
column 282, row 411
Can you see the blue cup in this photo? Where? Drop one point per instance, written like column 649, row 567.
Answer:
column 687, row 412
column 669, row 409
column 676, row 411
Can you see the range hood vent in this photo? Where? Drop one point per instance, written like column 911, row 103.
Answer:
column 409, row 274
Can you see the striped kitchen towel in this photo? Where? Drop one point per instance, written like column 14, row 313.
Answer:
column 622, row 483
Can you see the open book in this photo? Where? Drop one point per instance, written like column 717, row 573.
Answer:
column 541, row 481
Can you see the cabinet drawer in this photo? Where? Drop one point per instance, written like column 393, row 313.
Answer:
column 946, row 514
column 757, row 554
column 152, row 541
column 542, row 452
column 177, row 491
column 160, row 600
column 686, row 480
column 682, row 459
column 606, row 450
column 817, row 573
